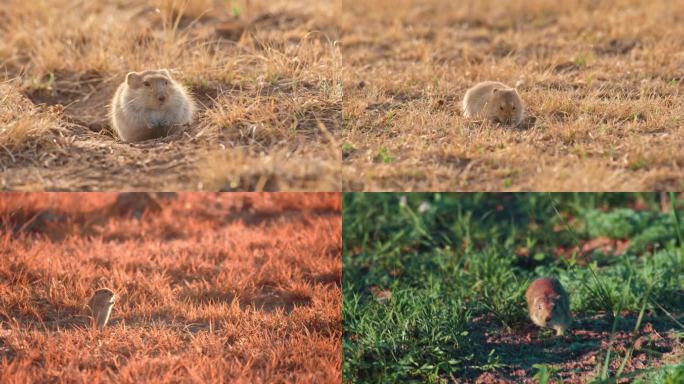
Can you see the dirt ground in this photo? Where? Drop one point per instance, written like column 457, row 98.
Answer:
column 574, row 357
column 264, row 74
column 211, row 288
column 601, row 80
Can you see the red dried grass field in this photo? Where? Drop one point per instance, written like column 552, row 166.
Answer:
column 212, row 287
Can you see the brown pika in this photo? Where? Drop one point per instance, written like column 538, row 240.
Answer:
column 100, row 306
column 148, row 105
column 494, row 101
column 549, row 305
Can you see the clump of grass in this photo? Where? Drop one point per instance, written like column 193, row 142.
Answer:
column 544, row 373
column 618, row 224
column 238, row 169
column 416, row 347
column 383, row 156
column 21, row 121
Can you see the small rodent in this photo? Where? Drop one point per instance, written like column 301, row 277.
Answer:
column 549, row 305
column 149, row 104
column 100, row 306
column 494, row 101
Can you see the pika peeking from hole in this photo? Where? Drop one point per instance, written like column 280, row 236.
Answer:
column 148, row 105
column 100, row 306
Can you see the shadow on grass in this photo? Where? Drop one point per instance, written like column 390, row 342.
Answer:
column 574, row 355
column 266, row 299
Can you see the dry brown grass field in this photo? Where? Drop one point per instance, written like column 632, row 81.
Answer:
column 265, row 74
column 212, row 288
column 602, row 82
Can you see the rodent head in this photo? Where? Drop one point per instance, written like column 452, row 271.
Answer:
column 151, row 89
column 546, row 311
column 103, row 296
column 505, row 106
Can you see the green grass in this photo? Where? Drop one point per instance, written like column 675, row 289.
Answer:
column 454, row 261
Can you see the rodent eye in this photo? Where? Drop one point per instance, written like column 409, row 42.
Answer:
column 501, row 107
column 147, row 83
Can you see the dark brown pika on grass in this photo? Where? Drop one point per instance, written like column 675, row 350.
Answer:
column 549, row 305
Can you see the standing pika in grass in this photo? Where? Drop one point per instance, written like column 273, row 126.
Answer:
column 494, row 101
column 549, row 305
column 148, row 104
column 100, row 306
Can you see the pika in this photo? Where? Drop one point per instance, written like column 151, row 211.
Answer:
column 494, row 101
column 148, row 105
column 549, row 305
column 100, row 306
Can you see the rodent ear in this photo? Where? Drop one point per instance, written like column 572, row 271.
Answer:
column 165, row 72
column 133, row 80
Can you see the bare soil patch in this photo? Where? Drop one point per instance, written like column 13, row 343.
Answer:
column 574, row 357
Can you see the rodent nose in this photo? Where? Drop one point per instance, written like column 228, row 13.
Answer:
column 162, row 98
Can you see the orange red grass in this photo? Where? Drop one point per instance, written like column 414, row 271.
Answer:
column 213, row 287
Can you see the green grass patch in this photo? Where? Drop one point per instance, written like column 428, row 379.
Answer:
column 454, row 261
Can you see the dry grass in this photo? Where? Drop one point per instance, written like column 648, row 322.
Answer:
column 213, row 288
column 601, row 80
column 21, row 120
column 271, row 92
